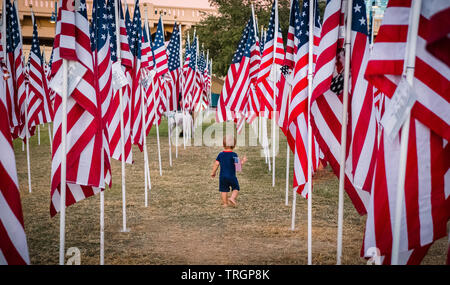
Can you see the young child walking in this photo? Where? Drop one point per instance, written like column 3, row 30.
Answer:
column 229, row 163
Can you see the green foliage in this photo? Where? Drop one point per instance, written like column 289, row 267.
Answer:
column 221, row 33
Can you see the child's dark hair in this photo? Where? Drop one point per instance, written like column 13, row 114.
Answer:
column 229, row 141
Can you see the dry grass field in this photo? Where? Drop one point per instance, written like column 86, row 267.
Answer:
column 184, row 222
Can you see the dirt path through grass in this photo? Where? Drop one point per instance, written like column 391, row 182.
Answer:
column 185, row 223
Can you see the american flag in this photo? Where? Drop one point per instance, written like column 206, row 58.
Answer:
column 362, row 124
column 209, row 75
column 198, row 99
column 102, row 72
column 45, row 81
column 294, row 115
column 147, row 60
column 236, row 93
column 48, row 74
column 159, row 51
column 7, row 69
column 40, row 110
column 433, row 102
column 291, row 44
column 326, row 104
column 273, row 54
column 263, row 41
column 223, row 111
column 205, row 86
column 284, row 85
column 15, row 61
column 190, row 79
column 128, row 23
column 135, row 35
column 426, row 195
column 153, row 91
column 174, row 50
column 438, row 42
column 161, row 68
column 85, row 130
column 253, row 103
column 126, row 59
column 13, row 241
column 187, row 59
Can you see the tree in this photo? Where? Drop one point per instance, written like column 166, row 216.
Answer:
column 221, row 33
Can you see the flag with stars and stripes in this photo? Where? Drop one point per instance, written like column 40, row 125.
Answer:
column 126, row 60
column 187, row 59
column 13, row 240
column 40, row 110
column 190, row 77
column 136, row 97
column 103, row 72
column 147, row 60
column 17, row 89
column 273, row 55
column 197, row 99
column 7, row 69
column 48, row 75
column 153, row 91
column 326, row 104
column 252, row 108
column 228, row 95
column 173, row 50
column 128, row 23
column 85, row 127
column 159, row 50
column 426, row 203
column 236, row 94
column 297, row 119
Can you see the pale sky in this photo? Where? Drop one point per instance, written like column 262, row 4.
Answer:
column 177, row 3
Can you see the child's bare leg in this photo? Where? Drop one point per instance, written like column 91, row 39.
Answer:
column 233, row 197
column 224, row 198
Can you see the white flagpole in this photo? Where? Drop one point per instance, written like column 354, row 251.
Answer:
column 294, row 206
column 266, row 143
column 287, row 174
column 344, row 129
column 27, row 134
column 122, row 131
column 181, row 89
column 62, row 203
column 183, row 99
column 27, row 139
column 409, row 68
column 181, row 84
column 274, row 78
column 157, row 128
column 159, row 148
column 310, row 82
column 168, row 129
column 39, row 134
column 287, row 160
column 102, row 228
column 50, row 136
column 144, row 131
column 170, row 142
column 147, row 165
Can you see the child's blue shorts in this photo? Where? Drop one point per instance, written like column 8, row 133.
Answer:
column 226, row 182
